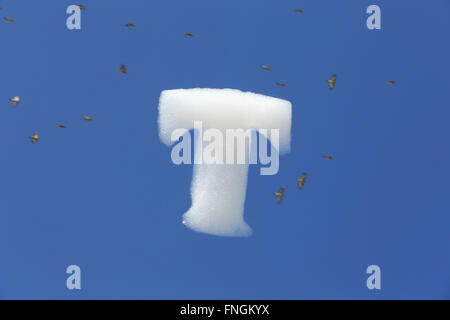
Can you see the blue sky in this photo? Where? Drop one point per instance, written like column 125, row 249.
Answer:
column 104, row 195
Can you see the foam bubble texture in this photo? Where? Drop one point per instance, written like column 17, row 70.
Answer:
column 218, row 191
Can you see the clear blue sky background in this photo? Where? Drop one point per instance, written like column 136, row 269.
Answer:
column 104, row 195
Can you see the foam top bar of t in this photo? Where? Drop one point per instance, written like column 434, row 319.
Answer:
column 223, row 109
